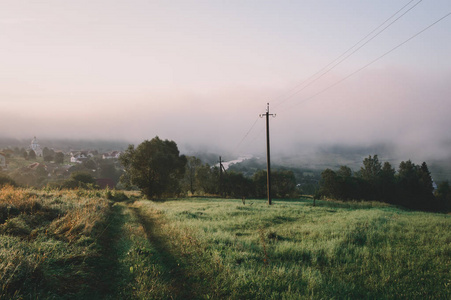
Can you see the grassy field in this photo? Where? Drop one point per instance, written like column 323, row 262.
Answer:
column 111, row 245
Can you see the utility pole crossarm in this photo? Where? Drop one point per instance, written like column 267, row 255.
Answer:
column 267, row 112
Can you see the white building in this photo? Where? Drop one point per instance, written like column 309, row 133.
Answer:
column 110, row 155
column 36, row 147
column 78, row 157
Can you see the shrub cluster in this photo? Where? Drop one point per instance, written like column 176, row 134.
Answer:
column 6, row 180
column 77, row 180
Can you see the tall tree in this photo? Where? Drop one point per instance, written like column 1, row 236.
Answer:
column 346, row 188
column 260, row 182
column 370, row 173
column 237, row 186
column 415, row 188
column 48, row 154
column 407, row 184
column 155, row 166
column 425, row 179
column 108, row 170
column 192, row 166
column 387, row 184
column 443, row 195
column 59, row 157
column 284, row 184
column 428, row 200
column 89, row 164
column 32, row 154
column 329, row 186
column 207, row 179
column 371, row 168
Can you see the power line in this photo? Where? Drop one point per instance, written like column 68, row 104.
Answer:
column 340, row 58
column 373, row 61
column 281, row 100
column 246, row 135
column 291, row 94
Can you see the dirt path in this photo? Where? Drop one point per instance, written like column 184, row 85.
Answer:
column 173, row 267
column 102, row 274
column 107, row 272
column 139, row 259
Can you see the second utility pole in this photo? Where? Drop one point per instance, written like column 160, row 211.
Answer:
column 268, row 155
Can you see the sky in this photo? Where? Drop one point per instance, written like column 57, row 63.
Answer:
column 201, row 72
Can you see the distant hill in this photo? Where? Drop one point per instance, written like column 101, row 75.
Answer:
column 335, row 156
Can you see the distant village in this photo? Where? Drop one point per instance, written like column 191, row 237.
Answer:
column 36, row 165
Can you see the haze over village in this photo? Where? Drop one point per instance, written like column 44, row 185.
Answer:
column 342, row 81
column 200, row 73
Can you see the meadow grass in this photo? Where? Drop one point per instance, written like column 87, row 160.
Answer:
column 293, row 250
column 87, row 244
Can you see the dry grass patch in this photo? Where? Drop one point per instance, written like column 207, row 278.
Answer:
column 45, row 238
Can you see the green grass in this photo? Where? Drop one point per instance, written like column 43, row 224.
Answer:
column 115, row 245
column 334, row 250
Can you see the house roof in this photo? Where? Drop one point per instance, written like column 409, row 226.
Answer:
column 35, row 165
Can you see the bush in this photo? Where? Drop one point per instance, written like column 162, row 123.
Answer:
column 115, row 195
column 6, row 180
column 82, row 177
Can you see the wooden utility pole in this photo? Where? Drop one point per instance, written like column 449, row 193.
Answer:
column 221, row 170
column 268, row 155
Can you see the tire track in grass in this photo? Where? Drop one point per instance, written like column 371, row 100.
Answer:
column 106, row 276
column 174, row 269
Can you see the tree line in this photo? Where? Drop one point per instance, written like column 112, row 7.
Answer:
column 410, row 186
column 158, row 170
column 210, row 180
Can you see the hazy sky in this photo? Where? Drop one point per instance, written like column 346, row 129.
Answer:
column 200, row 72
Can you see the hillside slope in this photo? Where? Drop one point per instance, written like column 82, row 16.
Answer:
column 108, row 245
